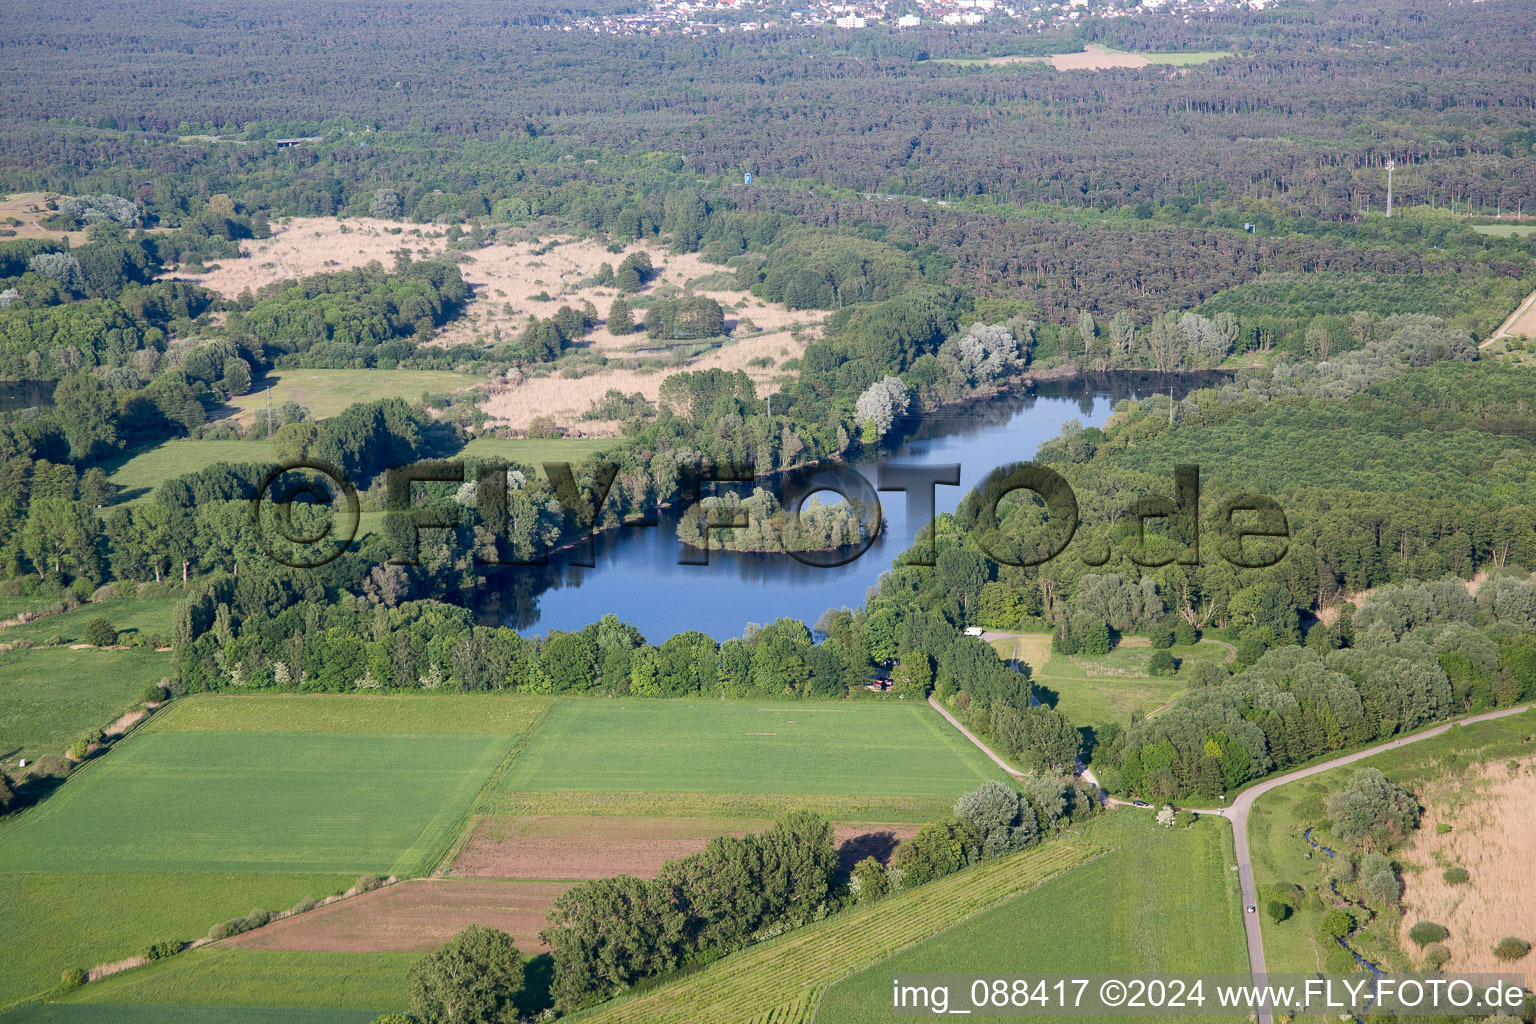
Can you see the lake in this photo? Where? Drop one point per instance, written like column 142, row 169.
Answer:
column 637, row 575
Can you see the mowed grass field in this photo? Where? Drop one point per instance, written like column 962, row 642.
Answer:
column 222, row 804
column 154, row 615
column 140, row 471
column 328, row 392
column 747, row 747
column 49, row 696
column 1161, row 901
column 1099, row 689
column 534, row 451
column 1505, row 230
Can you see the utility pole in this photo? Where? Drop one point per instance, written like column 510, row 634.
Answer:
column 1390, row 165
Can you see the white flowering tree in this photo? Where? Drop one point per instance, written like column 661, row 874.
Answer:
column 878, row 407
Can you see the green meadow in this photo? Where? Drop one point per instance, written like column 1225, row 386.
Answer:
column 746, row 747
column 256, row 803
column 54, row 922
column 448, row 714
column 140, row 471
column 224, row 804
column 1098, row 689
column 50, row 696
column 219, row 977
column 1161, row 900
column 327, row 392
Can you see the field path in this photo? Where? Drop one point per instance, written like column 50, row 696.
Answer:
column 934, row 703
column 1506, row 329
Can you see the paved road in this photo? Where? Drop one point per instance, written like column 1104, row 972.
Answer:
column 1237, row 813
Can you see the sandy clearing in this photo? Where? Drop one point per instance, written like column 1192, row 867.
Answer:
column 1097, row 58
column 414, row 916
column 302, row 246
column 508, row 280
column 551, row 846
column 27, row 211
column 1492, row 814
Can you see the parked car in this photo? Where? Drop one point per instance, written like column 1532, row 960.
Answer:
column 1140, row 803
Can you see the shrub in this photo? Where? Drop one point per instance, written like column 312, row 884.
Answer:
column 1335, row 924
column 99, row 633
column 1277, row 911
column 72, row 978
column 1511, row 948
column 395, row 1018
column 222, row 930
column 1456, row 876
column 1441, row 828
column 163, row 949
column 152, row 694
column 305, row 906
column 255, row 919
column 1426, row 932
column 1436, row 955
column 1161, row 664
column 1161, row 637
column 368, row 883
column 1184, row 818
column 78, row 750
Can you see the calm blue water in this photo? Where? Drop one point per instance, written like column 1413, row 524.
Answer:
column 637, row 576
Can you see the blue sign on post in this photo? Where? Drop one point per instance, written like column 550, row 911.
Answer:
column 746, row 179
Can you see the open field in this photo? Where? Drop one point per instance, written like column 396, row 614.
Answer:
column 1093, row 57
column 414, row 917
column 1279, row 818
column 1505, row 230
column 1161, row 901
column 88, row 1013
column 1095, row 690
column 50, row 695
column 126, row 614
column 569, row 847
column 781, row 979
column 26, row 210
column 221, row 976
column 1491, row 811
column 328, row 392
column 468, row 714
column 258, row 803
column 58, row 921
column 533, row 451
column 743, row 747
column 140, row 471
